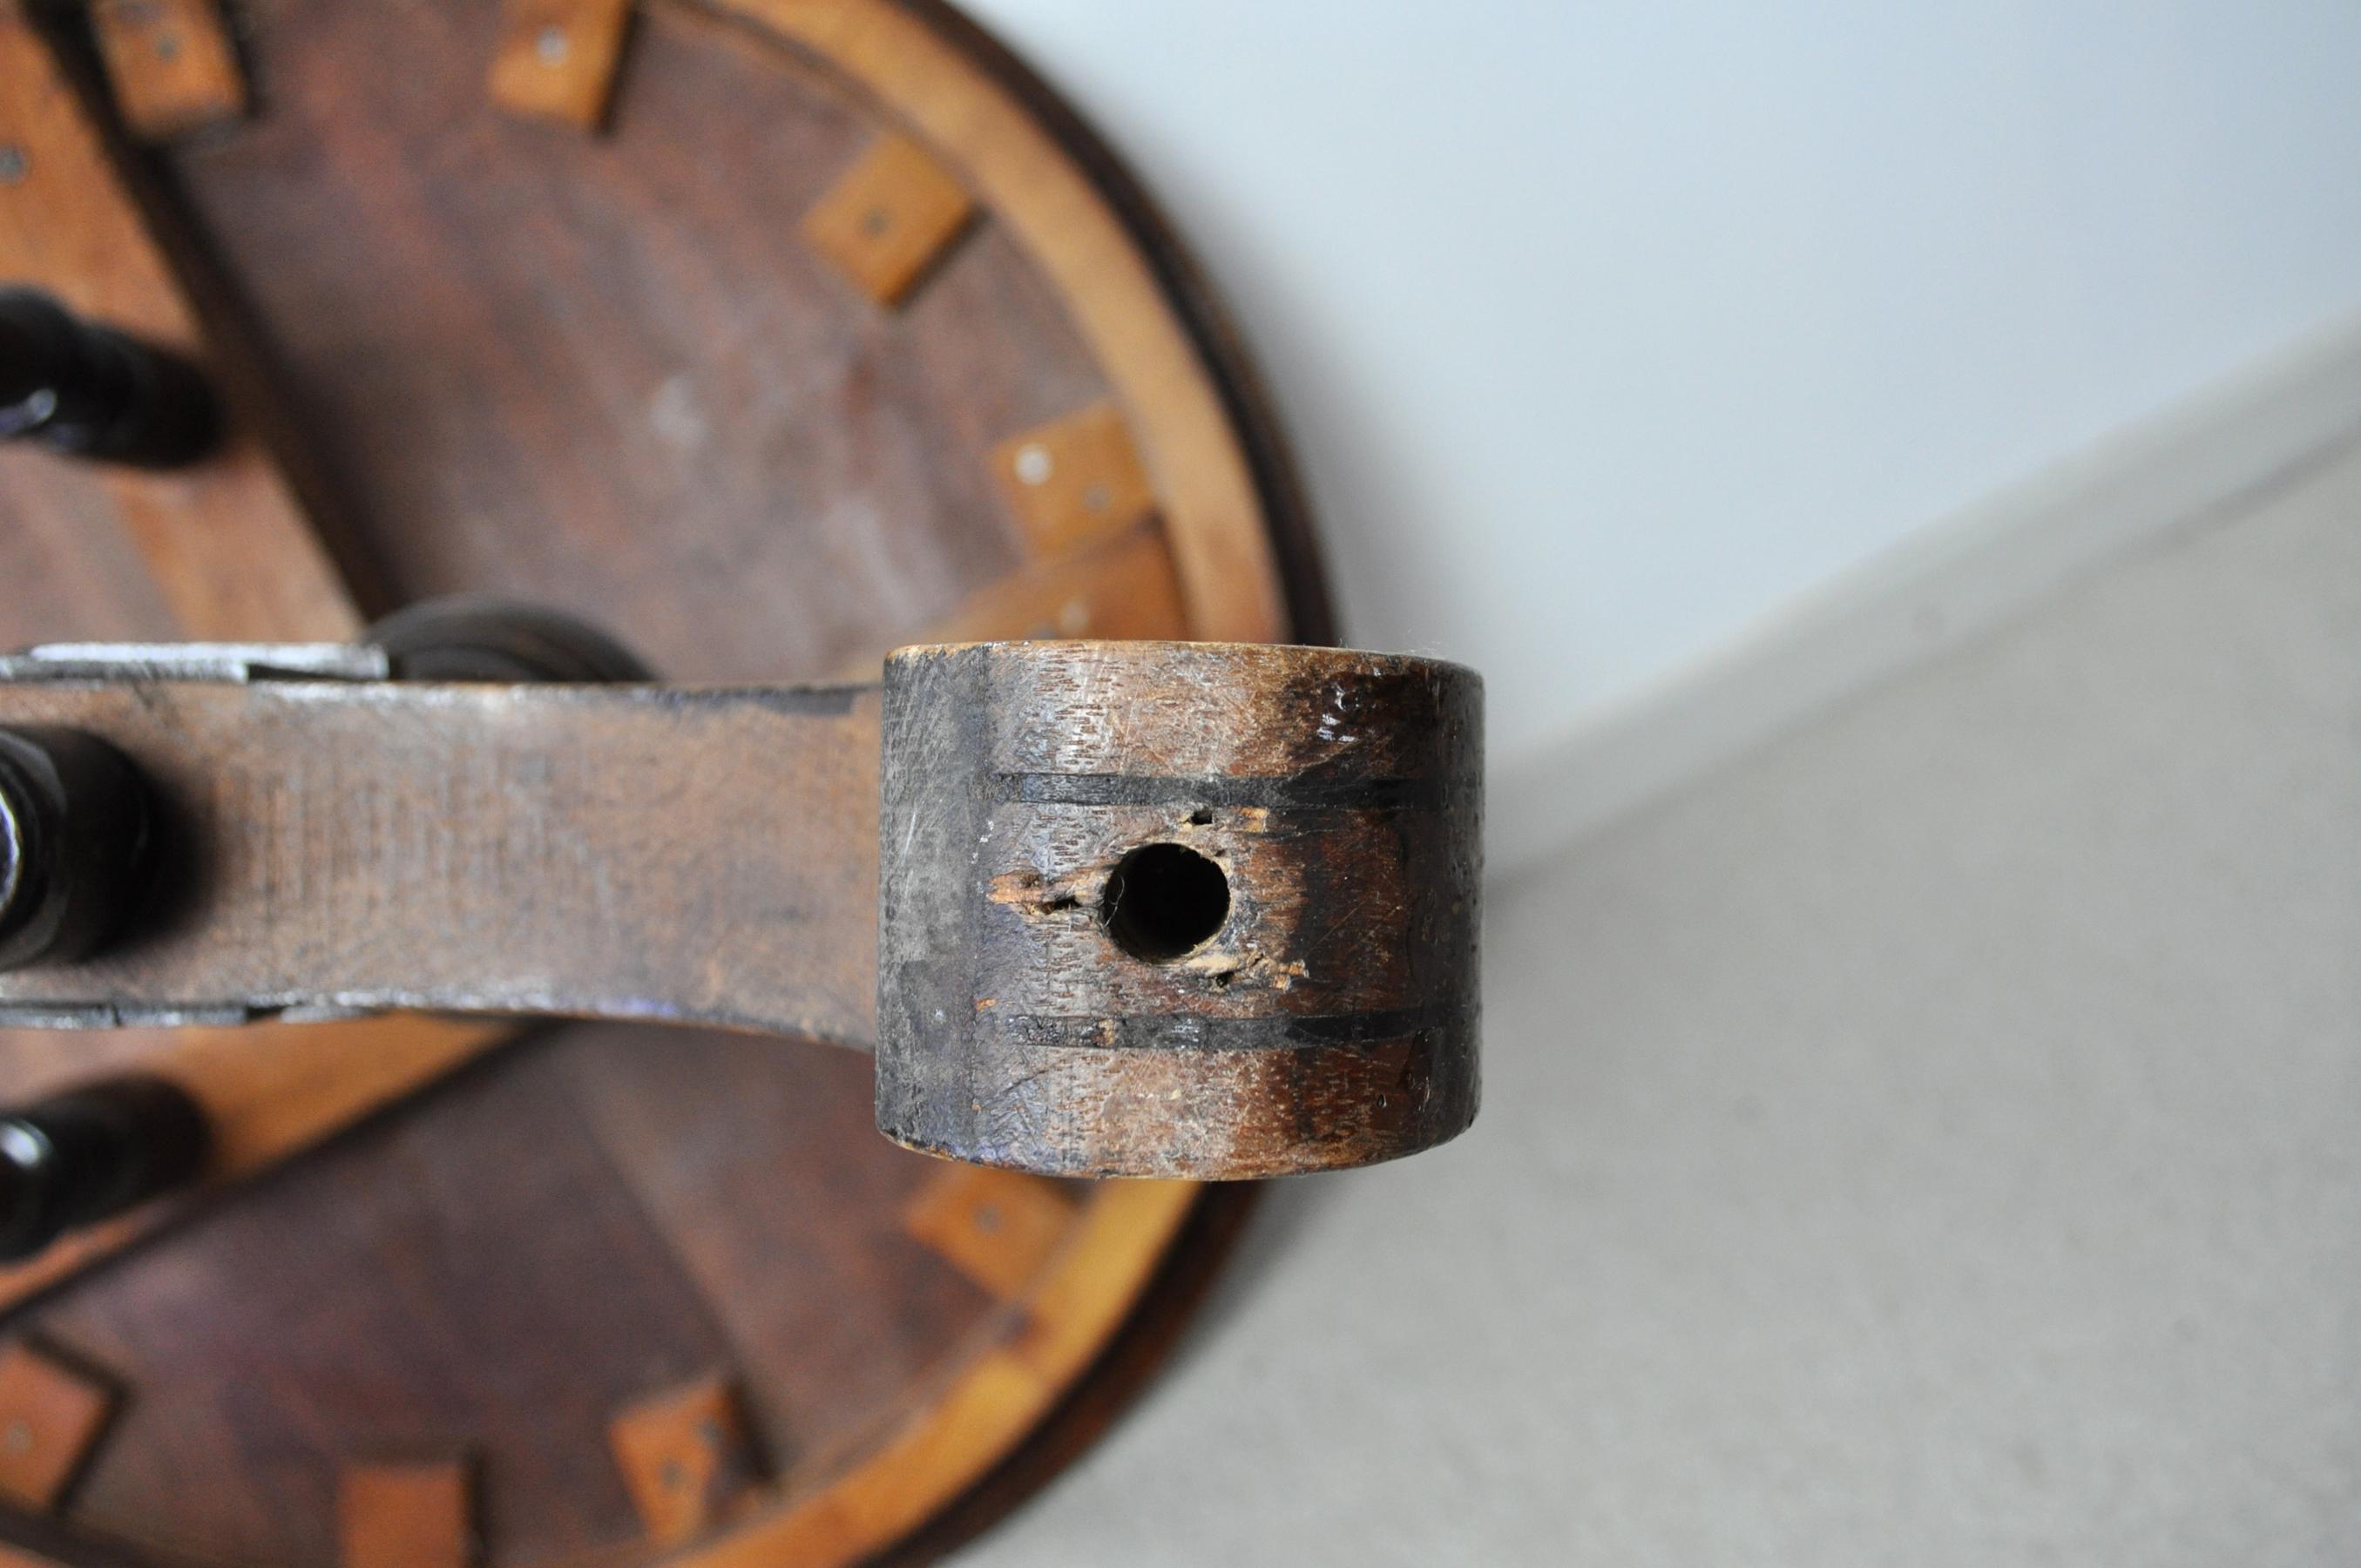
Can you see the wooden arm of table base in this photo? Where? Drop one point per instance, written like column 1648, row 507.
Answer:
column 1148, row 909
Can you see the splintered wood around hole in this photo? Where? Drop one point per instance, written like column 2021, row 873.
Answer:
column 1298, row 992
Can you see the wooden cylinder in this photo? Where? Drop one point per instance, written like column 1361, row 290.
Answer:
column 1203, row 910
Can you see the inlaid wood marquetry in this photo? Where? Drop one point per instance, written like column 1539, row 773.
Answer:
column 1123, row 587
column 734, row 379
column 997, row 1227
column 557, row 59
column 1285, row 842
column 1074, row 481
column 688, row 1456
column 889, row 218
column 53, row 1414
column 171, row 64
column 409, row 1513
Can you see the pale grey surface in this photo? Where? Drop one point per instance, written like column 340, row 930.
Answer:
column 1601, row 330
column 1934, row 1139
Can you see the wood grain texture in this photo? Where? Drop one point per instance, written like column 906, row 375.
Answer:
column 1121, row 589
column 418, row 1513
column 997, row 1227
column 1000, row 1394
column 888, row 219
column 686, row 1457
column 224, row 549
column 759, row 1160
column 268, row 1092
column 171, row 64
column 51, row 1415
column 1074, row 481
column 711, row 856
column 686, row 856
column 69, row 224
column 1035, row 186
column 605, row 372
column 1326, row 1015
column 470, row 1273
column 557, row 59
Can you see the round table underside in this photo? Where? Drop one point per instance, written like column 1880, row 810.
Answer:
column 632, row 372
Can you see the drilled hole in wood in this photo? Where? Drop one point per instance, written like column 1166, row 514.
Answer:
column 1163, row 900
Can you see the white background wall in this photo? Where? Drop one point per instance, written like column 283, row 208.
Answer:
column 1606, row 331
column 1929, row 1141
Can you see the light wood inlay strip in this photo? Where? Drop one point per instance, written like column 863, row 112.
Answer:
column 1071, row 1309
column 1121, row 589
column 888, row 218
column 686, row 1457
column 997, row 1227
column 170, row 65
column 51, row 1416
column 557, row 59
column 1073, row 481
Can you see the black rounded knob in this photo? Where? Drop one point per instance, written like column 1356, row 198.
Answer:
column 88, row 389
column 74, row 832
column 474, row 637
column 91, row 1153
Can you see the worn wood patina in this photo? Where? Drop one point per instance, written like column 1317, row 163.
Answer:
column 1139, row 909
column 1152, row 910
column 599, row 361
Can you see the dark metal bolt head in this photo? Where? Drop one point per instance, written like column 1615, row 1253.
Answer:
column 90, row 1153
column 74, row 834
column 82, row 388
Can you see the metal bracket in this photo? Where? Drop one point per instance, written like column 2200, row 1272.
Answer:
column 236, row 662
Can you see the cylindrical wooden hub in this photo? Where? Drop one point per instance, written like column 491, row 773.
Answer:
column 1199, row 910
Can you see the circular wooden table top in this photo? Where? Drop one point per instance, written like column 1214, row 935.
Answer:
column 766, row 334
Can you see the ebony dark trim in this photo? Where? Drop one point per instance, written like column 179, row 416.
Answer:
column 1185, row 1032
column 1278, row 793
